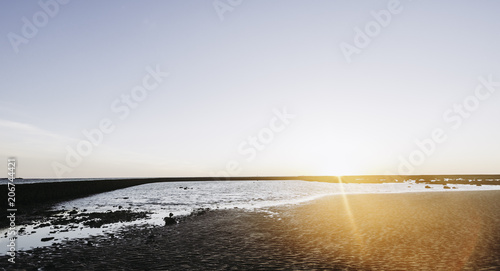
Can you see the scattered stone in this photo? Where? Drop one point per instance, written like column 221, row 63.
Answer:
column 45, row 239
column 170, row 220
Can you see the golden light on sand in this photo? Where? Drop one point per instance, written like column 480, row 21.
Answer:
column 348, row 211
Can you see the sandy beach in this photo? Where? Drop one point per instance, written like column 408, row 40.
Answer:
column 410, row 231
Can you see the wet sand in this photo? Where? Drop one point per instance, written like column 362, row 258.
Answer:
column 411, row 231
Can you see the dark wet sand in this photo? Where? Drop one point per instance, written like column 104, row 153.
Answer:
column 413, row 231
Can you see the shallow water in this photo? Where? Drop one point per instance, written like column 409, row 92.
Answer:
column 181, row 198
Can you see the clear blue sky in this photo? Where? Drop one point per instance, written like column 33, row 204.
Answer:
column 226, row 78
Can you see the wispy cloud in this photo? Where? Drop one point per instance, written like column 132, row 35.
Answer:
column 14, row 128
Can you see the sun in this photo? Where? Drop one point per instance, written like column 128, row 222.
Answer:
column 333, row 165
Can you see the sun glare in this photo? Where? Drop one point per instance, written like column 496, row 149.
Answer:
column 333, row 165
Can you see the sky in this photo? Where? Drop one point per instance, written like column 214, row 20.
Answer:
column 249, row 88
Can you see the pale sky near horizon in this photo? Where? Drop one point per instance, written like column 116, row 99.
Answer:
column 228, row 78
